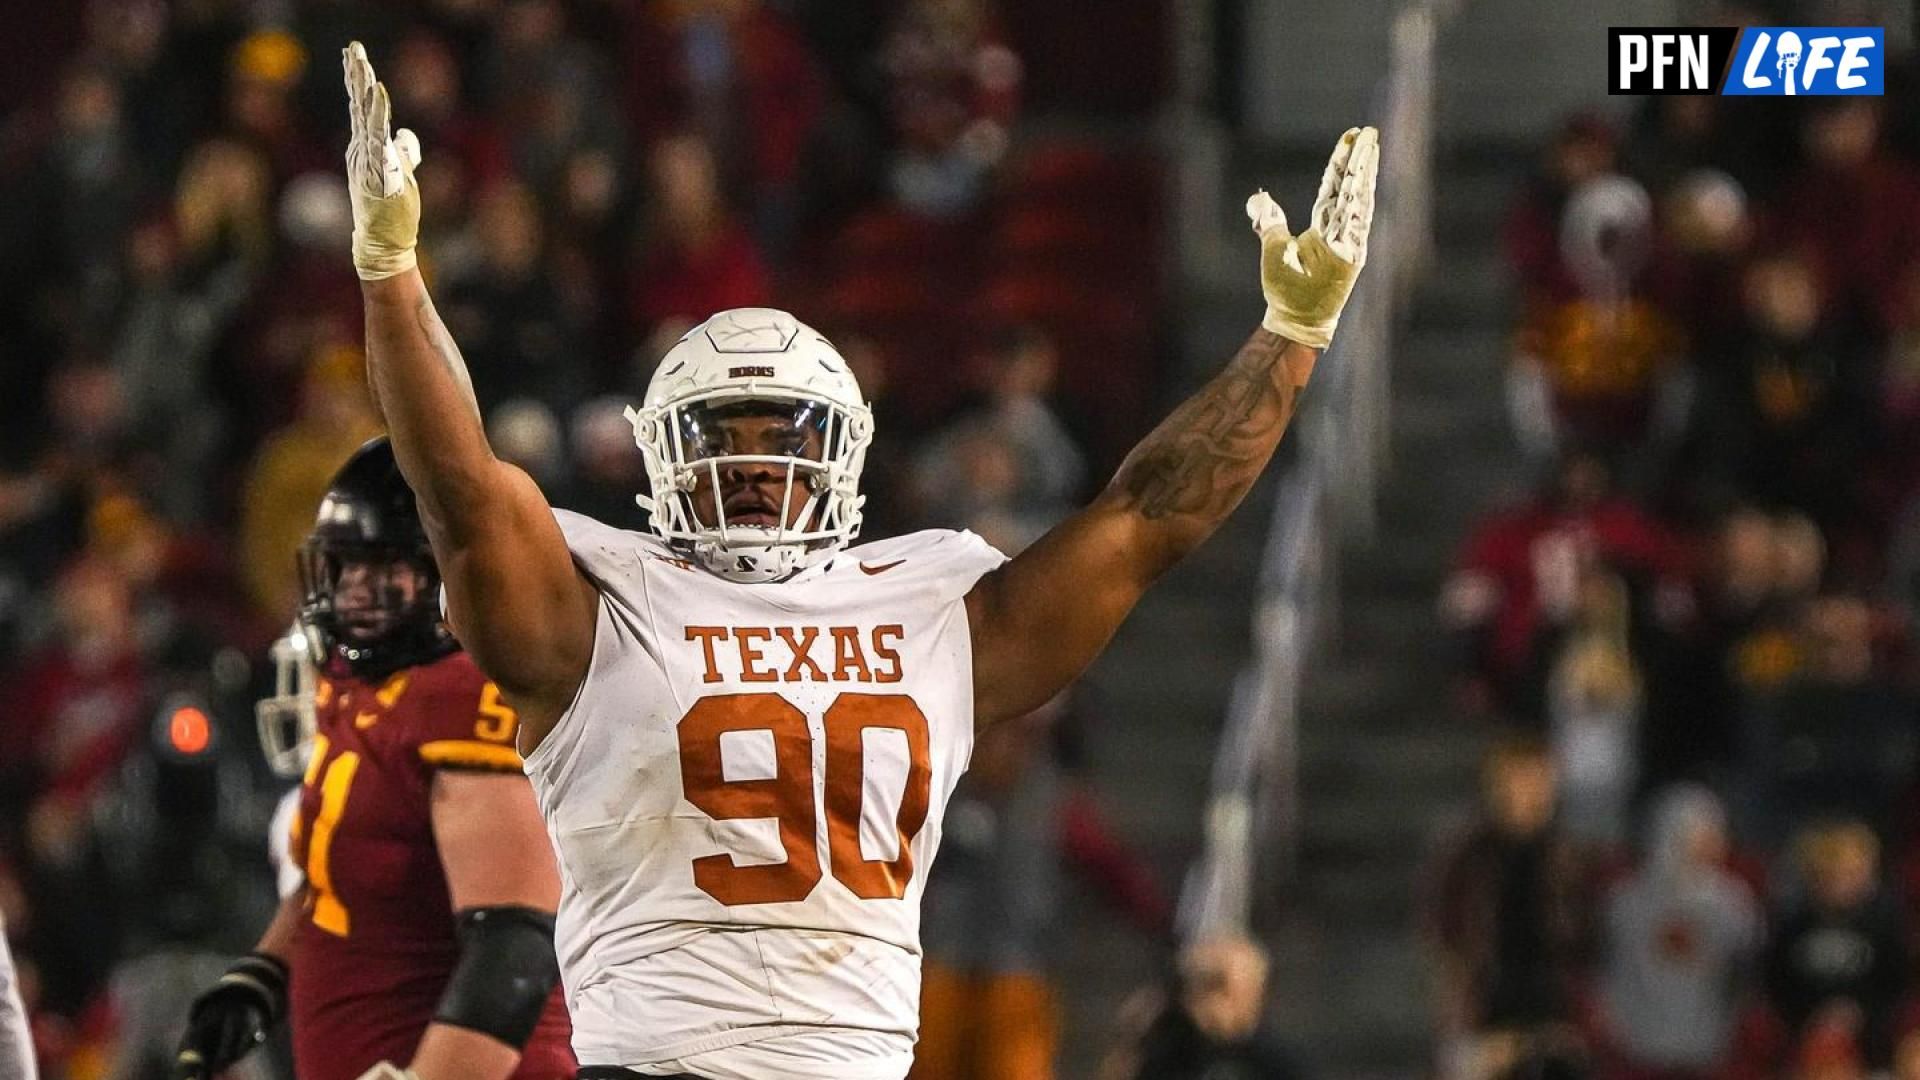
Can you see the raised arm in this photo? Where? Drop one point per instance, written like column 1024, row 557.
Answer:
column 514, row 597
column 1038, row 621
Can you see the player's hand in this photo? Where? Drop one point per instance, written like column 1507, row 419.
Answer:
column 387, row 1070
column 232, row 1017
column 380, row 163
column 1307, row 278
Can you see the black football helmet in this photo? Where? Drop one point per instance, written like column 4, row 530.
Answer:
column 368, row 516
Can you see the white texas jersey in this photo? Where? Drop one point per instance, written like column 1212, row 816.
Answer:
column 746, row 796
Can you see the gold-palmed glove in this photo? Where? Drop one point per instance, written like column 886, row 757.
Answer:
column 380, row 163
column 1307, row 278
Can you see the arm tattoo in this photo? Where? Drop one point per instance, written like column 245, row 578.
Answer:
column 443, row 347
column 1204, row 457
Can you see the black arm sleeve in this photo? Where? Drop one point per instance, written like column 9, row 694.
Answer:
column 507, row 970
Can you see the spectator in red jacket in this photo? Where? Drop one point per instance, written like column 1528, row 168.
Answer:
column 1585, row 148
column 699, row 259
column 427, row 91
column 1900, row 384
column 740, row 73
column 1853, row 207
column 79, row 702
column 1521, row 570
column 953, row 93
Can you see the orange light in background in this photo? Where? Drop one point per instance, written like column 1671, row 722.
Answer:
column 189, row 730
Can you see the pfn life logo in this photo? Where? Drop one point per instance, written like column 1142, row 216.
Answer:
column 1796, row 60
column 1788, row 61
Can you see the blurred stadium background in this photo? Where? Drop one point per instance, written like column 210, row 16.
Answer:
column 1551, row 707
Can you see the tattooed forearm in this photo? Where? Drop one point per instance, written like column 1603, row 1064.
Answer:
column 444, row 348
column 1195, row 467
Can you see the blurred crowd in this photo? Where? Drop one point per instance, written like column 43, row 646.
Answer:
column 1698, row 855
column 181, row 333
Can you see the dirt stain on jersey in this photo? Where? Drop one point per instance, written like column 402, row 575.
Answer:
column 828, row 956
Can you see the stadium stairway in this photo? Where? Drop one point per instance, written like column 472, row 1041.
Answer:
column 1384, row 756
column 1383, row 752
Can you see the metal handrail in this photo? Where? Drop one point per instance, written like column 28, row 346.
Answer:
column 1326, row 497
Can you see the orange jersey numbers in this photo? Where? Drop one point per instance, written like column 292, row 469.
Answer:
column 848, row 721
column 336, row 781
column 788, row 794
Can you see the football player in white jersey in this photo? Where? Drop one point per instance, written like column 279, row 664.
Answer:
column 741, row 732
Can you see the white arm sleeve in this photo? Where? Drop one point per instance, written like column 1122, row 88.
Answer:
column 16, row 1039
column 288, row 875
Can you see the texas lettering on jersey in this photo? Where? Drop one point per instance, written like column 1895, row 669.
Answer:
column 767, row 654
column 747, row 795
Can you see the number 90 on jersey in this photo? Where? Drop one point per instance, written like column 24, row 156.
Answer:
column 788, row 796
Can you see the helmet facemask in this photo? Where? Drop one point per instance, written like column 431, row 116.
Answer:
column 286, row 718
column 411, row 631
column 757, row 482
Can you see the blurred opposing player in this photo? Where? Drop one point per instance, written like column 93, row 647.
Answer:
column 423, row 931
column 742, row 734
column 16, row 1035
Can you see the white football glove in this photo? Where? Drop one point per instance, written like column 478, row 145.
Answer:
column 380, row 163
column 387, row 1070
column 1307, row 278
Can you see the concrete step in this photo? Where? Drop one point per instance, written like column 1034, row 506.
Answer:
column 1388, row 628
column 1352, row 684
column 1396, row 564
column 1374, row 850
column 1470, row 290
column 1364, row 1006
column 1514, row 68
column 1346, row 40
column 1479, row 193
column 1445, row 360
column 1475, row 423
column 1426, row 760
column 1443, row 502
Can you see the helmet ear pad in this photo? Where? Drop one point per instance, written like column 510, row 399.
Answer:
column 743, row 362
column 369, row 516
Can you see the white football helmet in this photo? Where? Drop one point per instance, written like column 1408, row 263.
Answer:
column 285, row 718
column 762, row 363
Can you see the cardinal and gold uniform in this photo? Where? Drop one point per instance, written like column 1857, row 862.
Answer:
column 374, row 953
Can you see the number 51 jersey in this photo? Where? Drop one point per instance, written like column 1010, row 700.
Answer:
column 746, row 795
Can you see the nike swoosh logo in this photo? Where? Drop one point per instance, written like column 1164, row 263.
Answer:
column 882, row 568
